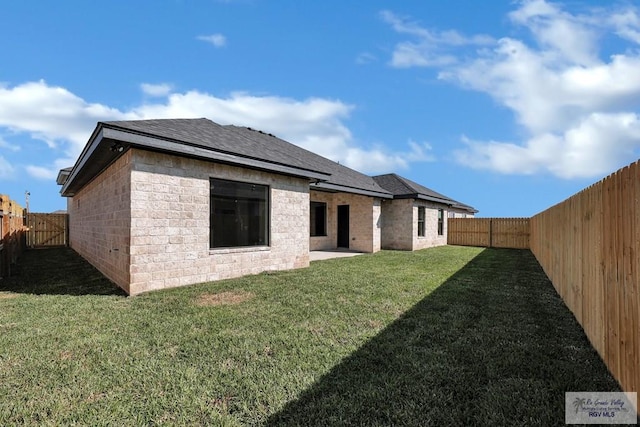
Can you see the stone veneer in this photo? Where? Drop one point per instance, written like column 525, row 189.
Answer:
column 400, row 224
column 397, row 229
column 431, row 237
column 364, row 221
column 100, row 221
column 162, row 238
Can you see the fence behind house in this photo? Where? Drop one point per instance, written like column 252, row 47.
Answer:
column 47, row 229
column 12, row 234
column 589, row 247
column 489, row 232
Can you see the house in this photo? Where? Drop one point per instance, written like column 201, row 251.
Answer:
column 416, row 218
column 162, row 203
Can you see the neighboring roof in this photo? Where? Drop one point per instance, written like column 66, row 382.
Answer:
column 403, row 188
column 204, row 139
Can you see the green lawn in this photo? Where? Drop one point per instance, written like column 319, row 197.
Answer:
column 444, row 336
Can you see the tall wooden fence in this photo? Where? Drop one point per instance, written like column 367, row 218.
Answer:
column 589, row 247
column 47, row 229
column 12, row 231
column 489, row 232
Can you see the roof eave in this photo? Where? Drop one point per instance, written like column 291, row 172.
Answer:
column 418, row 196
column 174, row 147
column 94, row 141
column 326, row 186
column 63, row 175
column 104, row 135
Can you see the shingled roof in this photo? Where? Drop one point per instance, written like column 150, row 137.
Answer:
column 342, row 178
column 403, row 188
column 204, row 139
column 208, row 134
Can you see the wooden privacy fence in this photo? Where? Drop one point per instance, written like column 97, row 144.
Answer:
column 589, row 248
column 12, row 230
column 47, row 229
column 489, row 232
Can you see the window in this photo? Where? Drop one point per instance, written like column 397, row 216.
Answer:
column 239, row 214
column 440, row 222
column 421, row 215
column 318, row 217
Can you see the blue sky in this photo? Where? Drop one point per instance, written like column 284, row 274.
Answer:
column 510, row 107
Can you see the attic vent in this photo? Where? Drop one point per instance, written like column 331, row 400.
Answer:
column 261, row 132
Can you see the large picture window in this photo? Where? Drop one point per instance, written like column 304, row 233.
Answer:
column 421, row 217
column 318, row 218
column 239, row 214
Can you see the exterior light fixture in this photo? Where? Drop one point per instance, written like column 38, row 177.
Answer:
column 116, row 147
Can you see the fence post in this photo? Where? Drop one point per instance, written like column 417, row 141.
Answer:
column 490, row 232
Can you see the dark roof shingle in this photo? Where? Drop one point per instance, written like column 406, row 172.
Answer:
column 402, row 187
column 253, row 144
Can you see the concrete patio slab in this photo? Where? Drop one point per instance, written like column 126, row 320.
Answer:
column 336, row 253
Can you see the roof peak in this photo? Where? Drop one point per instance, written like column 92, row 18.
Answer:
column 185, row 119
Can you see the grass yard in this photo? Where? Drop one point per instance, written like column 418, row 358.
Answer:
column 444, row 336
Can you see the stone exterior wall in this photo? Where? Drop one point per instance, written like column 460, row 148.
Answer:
column 364, row 221
column 400, row 225
column 99, row 221
column 376, row 225
column 328, row 242
column 170, row 223
column 397, row 226
column 144, row 223
column 431, row 237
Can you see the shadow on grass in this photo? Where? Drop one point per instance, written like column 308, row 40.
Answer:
column 57, row 271
column 493, row 345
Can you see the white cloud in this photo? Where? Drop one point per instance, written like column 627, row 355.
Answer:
column 593, row 147
column 6, row 169
column 11, row 147
column 380, row 160
column 565, row 36
column 315, row 124
column 627, row 24
column 159, row 90
column 365, row 58
column 576, row 109
column 65, row 121
column 50, row 171
column 218, row 40
column 41, row 172
column 51, row 114
column 429, row 48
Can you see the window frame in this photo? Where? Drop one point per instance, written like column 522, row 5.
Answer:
column 264, row 224
column 422, row 221
column 313, row 219
column 440, row 222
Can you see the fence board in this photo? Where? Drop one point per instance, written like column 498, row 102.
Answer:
column 12, row 231
column 588, row 246
column 47, row 230
column 489, row 232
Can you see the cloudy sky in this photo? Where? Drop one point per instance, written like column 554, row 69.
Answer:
column 507, row 106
